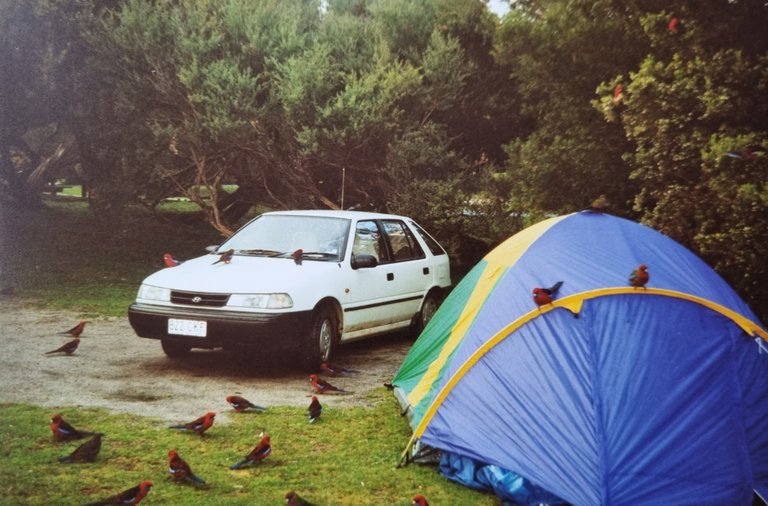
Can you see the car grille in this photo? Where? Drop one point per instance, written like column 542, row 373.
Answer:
column 199, row 299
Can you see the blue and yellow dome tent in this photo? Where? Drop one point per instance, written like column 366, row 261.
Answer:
column 612, row 395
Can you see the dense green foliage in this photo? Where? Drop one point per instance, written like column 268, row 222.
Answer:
column 433, row 108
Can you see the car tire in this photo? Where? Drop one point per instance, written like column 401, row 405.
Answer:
column 175, row 350
column 321, row 339
column 428, row 309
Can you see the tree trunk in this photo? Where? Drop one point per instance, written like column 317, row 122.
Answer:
column 19, row 192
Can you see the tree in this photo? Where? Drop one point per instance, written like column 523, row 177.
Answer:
column 558, row 52
column 696, row 113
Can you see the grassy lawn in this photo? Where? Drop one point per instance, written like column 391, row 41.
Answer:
column 347, row 457
column 66, row 258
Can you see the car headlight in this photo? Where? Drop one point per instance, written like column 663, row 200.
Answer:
column 149, row 292
column 261, row 300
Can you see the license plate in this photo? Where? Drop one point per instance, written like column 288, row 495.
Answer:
column 195, row 328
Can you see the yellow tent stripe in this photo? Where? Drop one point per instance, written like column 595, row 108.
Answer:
column 574, row 303
column 498, row 260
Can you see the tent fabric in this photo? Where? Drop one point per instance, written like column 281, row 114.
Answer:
column 612, row 395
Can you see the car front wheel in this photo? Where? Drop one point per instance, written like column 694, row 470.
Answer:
column 322, row 337
column 175, row 350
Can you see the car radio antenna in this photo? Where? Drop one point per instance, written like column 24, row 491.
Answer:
column 343, row 178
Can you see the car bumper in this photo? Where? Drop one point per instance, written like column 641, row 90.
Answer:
column 225, row 329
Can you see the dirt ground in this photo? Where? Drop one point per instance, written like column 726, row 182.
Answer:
column 113, row 368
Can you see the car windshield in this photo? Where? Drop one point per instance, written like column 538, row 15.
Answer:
column 274, row 235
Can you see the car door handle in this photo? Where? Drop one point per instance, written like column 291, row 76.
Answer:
column 390, row 276
column 425, row 270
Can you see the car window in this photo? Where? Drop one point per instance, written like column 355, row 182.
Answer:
column 320, row 237
column 369, row 241
column 432, row 244
column 402, row 241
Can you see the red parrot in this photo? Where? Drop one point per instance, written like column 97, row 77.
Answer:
column 747, row 153
column 314, row 410
column 180, row 470
column 599, row 205
column 241, row 404
column 86, row 452
column 74, row 331
column 320, row 386
column 170, row 260
column 297, row 256
column 294, row 499
column 129, row 497
column 225, row 257
column 259, row 453
column 200, row 425
column 639, row 277
column 542, row 296
column 618, row 94
column 419, row 500
column 62, row 431
column 673, row 25
column 335, row 370
column 68, row 348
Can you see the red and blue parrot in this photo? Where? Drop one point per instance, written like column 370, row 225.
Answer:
column 130, row 497
column 199, row 425
column 259, row 453
column 240, row 404
column 180, row 470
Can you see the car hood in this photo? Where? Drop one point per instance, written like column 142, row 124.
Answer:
column 245, row 274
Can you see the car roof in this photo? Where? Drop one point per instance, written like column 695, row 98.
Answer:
column 332, row 213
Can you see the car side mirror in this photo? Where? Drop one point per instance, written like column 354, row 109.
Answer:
column 364, row 261
column 212, row 248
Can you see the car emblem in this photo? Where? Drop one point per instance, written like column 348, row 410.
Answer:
column 196, row 299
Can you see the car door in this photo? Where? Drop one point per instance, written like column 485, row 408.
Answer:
column 410, row 269
column 378, row 299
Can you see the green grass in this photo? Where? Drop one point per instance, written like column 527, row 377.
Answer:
column 67, row 258
column 347, row 457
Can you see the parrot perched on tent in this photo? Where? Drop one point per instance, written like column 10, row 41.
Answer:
column 259, row 453
column 639, row 277
column 86, row 452
column 225, row 257
column 75, row 331
column 170, row 260
column 199, row 425
column 543, row 296
column 180, row 470
column 314, row 410
column 599, row 205
column 320, row 386
column 63, row 431
column 130, row 497
column 241, row 404
column 419, row 500
column 68, row 348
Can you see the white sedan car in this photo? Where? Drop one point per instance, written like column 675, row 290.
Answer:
column 299, row 282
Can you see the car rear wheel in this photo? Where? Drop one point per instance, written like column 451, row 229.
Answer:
column 428, row 310
column 175, row 350
column 321, row 339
